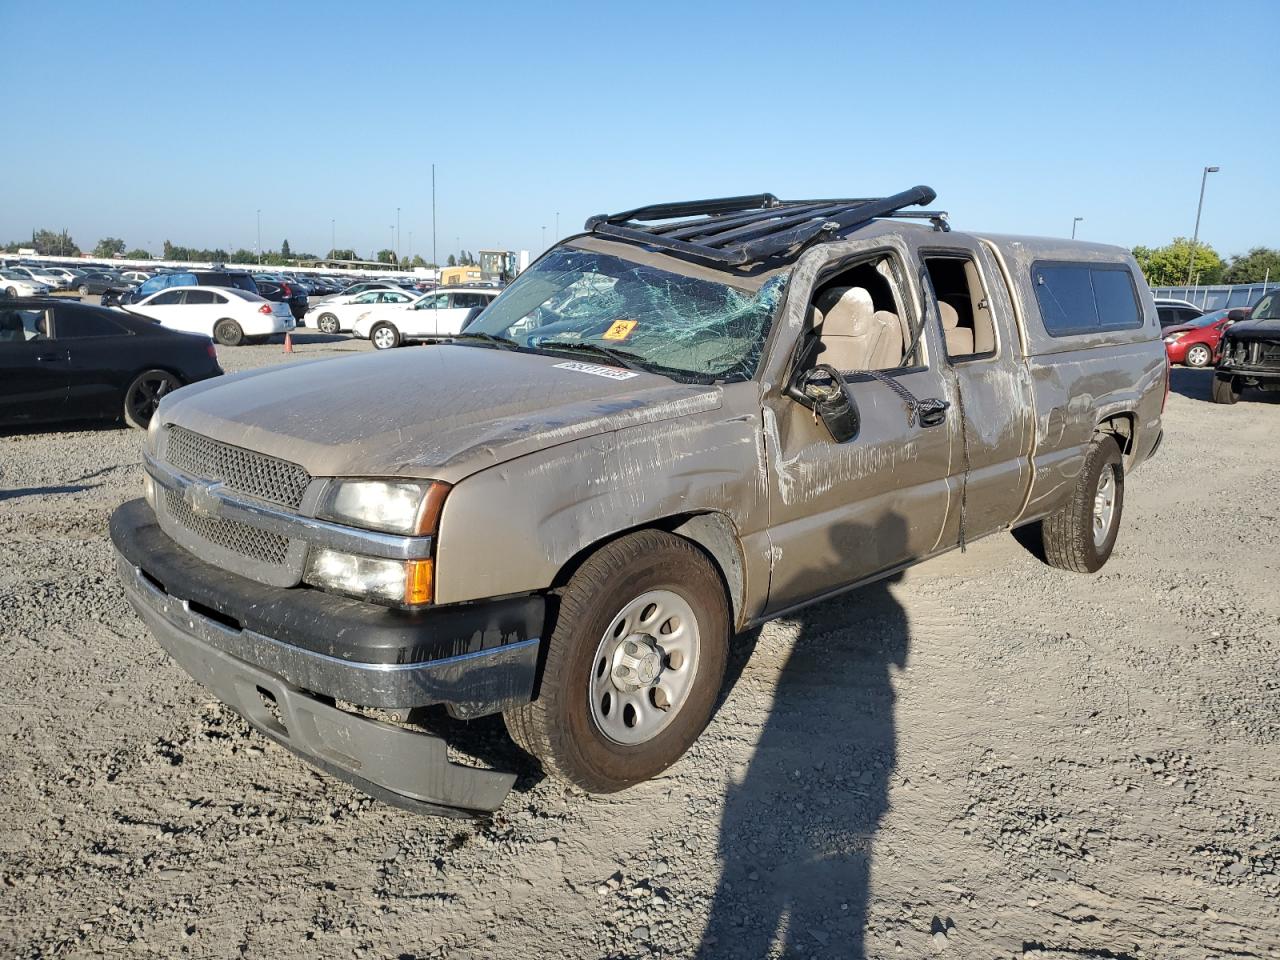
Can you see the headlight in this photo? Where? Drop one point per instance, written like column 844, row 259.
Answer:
column 389, row 506
column 400, row 582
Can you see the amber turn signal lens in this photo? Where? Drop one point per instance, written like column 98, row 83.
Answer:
column 418, row 583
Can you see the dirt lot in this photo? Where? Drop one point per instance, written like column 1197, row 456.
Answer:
column 987, row 758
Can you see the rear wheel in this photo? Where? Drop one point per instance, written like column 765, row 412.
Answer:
column 144, row 395
column 84, row 290
column 384, row 336
column 1226, row 389
column 1198, row 355
column 328, row 323
column 1081, row 535
column 11, row 291
column 633, row 664
column 228, row 333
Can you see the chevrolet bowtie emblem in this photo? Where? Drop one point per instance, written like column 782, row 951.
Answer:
column 201, row 498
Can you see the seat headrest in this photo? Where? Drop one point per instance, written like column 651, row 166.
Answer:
column 950, row 318
column 846, row 307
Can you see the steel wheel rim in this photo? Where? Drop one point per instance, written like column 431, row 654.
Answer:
column 146, row 396
column 1104, row 506
column 644, row 667
column 1200, row 355
column 383, row 339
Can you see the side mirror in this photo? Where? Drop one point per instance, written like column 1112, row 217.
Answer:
column 823, row 390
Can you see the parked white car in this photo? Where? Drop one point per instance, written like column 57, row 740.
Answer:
column 435, row 314
column 334, row 315
column 16, row 284
column 229, row 315
column 41, row 275
column 137, row 276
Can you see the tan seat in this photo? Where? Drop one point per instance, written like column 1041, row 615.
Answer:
column 856, row 336
column 959, row 339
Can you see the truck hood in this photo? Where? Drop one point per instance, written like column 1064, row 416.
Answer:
column 1254, row 330
column 440, row 412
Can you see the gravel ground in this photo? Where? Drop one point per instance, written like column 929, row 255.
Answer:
column 985, row 758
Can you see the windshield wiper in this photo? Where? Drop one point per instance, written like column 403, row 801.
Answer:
column 620, row 357
column 505, row 343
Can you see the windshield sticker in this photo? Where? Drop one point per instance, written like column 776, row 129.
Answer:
column 613, row 373
column 620, row 330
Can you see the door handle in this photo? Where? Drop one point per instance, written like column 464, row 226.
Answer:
column 50, row 357
column 933, row 412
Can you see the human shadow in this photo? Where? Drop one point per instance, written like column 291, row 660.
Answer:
column 797, row 832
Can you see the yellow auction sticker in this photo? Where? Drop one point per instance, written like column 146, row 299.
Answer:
column 620, row 330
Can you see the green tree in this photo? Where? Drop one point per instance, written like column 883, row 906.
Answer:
column 244, row 256
column 342, row 255
column 417, row 261
column 452, row 261
column 386, row 256
column 108, row 247
column 285, row 251
column 50, row 244
column 1254, row 266
column 137, row 253
column 1167, row 266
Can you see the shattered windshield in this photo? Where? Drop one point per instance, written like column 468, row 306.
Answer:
column 637, row 314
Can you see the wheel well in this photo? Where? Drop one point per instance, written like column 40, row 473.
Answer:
column 714, row 533
column 1124, row 427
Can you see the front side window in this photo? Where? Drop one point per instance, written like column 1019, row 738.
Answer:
column 198, row 298
column 1081, row 298
column 1268, row 308
column 82, row 325
column 671, row 322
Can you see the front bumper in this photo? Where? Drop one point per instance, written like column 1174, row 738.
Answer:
column 1249, row 372
column 234, row 636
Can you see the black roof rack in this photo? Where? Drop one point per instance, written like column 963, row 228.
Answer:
column 742, row 230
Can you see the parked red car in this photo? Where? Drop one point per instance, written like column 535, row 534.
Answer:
column 1196, row 343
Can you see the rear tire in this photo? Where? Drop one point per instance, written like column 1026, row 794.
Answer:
column 1198, row 355
column 11, row 291
column 1077, row 538
column 384, row 336
column 83, row 291
column 228, row 333
column 328, row 323
column 569, row 728
column 144, row 395
column 1225, row 389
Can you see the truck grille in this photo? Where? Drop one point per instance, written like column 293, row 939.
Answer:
column 239, row 538
column 245, row 471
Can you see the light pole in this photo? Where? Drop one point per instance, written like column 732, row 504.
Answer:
column 1195, row 237
column 557, row 236
column 409, row 252
column 544, row 238
column 333, row 237
column 1074, row 221
column 397, row 235
column 259, row 238
column 392, row 228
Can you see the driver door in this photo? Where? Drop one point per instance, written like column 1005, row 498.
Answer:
column 422, row 319
column 841, row 512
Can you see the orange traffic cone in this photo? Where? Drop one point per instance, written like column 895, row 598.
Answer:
column 288, row 343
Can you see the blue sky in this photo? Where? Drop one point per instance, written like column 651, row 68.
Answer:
column 179, row 121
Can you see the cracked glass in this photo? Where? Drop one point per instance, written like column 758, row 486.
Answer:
column 635, row 315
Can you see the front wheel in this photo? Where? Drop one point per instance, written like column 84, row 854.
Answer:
column 328, row 323
column 1226, row 389
column 384, row 336
column 228, row 333
column 1198, row 355
column 11, row 291
column 1082, row 534
column 84, row 290
column 633, row 664
column 144, row 395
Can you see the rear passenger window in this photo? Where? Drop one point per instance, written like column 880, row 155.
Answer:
column 1079, row 298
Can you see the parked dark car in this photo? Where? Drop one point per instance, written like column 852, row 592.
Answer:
column 1176, row 313
column 64, row 360
column 285, row 291
column 239, row 279
column 101, row 281
column 1249, row 353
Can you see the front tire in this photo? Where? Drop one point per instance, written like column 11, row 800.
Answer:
column 228, row 333
column 84, row 290
column 11, row 291
column 1225, row 389
column 633, row 664
column 1082, row 534
column 328, row 323
column 144, row 395
column 384, row 336
column 1198, row 355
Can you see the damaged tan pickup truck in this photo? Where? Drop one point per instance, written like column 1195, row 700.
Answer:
column 682, row 422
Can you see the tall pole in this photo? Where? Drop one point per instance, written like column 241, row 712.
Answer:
column 333, row 237
column 259, row 238
column 397, row 235
column 434, row 258
column 409, row 252
column 1195, row 237
column 557, row 236
column 544, row 238
column 1074, row 221
column 392, row 228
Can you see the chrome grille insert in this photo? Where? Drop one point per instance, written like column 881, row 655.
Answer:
column 246, row 471
column 232, row 535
